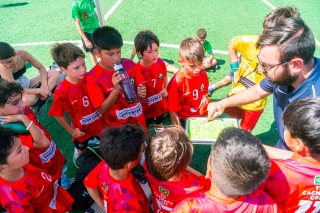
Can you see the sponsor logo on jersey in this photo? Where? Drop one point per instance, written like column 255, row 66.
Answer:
column 134, row 111
column 317, row 180
column 160, row 76
column 163, row 191
column 154, row 99
column 49, row 153
column 131, row 81
column 202, row 87
column 52, row 204
column 88, row 119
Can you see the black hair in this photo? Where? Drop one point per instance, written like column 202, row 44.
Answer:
column 144, row 39
column 7, row 90
column 6, row 51
column 7, row 137
column 121, row 145
column 106, row 38
column 302, row 119
column 293, row 38
column 238, row 162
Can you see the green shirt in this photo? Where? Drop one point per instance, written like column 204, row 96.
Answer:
column 84, row 10
column 207, row 47
column 138, row 57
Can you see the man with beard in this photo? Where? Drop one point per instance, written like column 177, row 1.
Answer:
column 292, row 72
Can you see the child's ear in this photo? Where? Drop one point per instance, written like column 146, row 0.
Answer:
column 130, row 165
column 3, row 168
column 208, row 174
column 96, row 52
column 64, row 70
column 301, row 148
column 139, row 53
column 14, row 53
column 180, row 61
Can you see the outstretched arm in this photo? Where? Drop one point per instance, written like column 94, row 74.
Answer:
column 278, row 153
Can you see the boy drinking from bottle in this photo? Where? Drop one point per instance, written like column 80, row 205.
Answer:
column 103, row 82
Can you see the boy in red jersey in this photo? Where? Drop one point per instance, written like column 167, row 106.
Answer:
column 238, row 165
column 23, row 187
column 110, row 184
column 166, row 167
column 72, row 96
column 47, row 156
column 103, row 82
column 294, row 178
column 188, row 88
column 154, row 71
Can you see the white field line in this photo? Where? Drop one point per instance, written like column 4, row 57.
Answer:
column 273, row 7
column 79, row 44
column 112, row 9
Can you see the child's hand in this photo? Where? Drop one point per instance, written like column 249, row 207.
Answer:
column 88, row 44
column 77, row 133
column 116, row 78
column 11, row 118
column 142, row 91
column 164, row 93
column 44, row 93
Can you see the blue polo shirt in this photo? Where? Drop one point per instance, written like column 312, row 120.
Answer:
column 282, row 97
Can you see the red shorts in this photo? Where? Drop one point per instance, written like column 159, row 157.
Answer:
column 248, row 118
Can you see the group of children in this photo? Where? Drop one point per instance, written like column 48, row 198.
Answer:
column 242, row 174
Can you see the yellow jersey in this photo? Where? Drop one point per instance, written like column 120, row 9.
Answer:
column 247, row 74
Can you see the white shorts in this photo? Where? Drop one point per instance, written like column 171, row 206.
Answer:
column 24, row 81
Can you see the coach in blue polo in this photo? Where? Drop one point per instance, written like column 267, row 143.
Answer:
column 292, row 72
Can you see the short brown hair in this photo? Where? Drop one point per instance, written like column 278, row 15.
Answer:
column 168, row 153
column 144, row 39
column 9, row 89
column 280, row 13
column 202, row 33
column 191, row 49
column 65, row 53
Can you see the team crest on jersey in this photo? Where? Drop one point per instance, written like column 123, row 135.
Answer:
column 164, row 191
column 316, row 180
column 202, row 87
column 131, row 81
column 160, row 76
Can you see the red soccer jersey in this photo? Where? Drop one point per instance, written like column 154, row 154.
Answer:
column 188, row 96
column 74, row 99
column 50, row 159
column 118, row 195
column 154, row 77
column 205, row 202
column 36, row 191
column 165, row 195
column 294, row 184
column 99, row 84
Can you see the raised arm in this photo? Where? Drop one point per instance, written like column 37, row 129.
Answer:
column 250, row 95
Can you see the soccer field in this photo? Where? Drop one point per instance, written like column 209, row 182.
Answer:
column 33, row 25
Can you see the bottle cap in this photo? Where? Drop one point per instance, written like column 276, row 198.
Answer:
column 117, row 66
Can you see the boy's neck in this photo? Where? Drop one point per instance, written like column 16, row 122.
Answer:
column 214, row 191
column 176, row 178
column 119, row 174
column 73, row 80
column 13, row 175
column 105, row 66
column 145, row 63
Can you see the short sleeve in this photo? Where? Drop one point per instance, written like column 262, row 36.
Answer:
column 91, row 181
column 173, row 95
column 139, row 78
column 75, row 13
column 57, row 108
column 209, row 48
column 237, row 44
column 266, row 85
column 95, row 91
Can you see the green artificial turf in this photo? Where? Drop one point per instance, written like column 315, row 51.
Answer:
column 26, row 21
